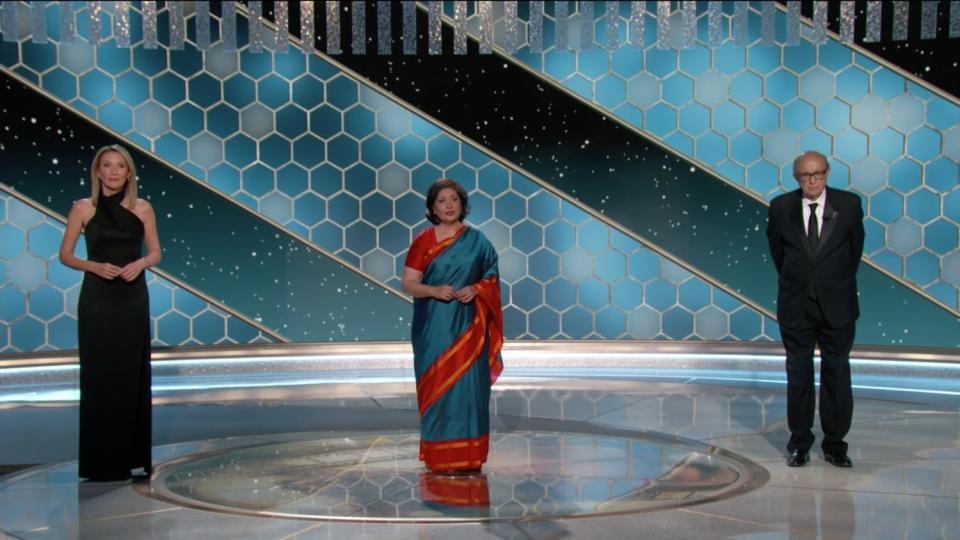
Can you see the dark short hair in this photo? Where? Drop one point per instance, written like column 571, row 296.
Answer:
column 435, row 190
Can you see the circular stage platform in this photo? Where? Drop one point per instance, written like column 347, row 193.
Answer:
column 531, row 474
column 588, row 440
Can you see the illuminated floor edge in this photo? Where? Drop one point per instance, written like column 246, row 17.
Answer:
column 903, row 443
column 52, row 377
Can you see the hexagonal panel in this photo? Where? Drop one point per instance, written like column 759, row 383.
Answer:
column 923, row 144
column 886, row 206
column 923, row 206
column 256, row 121
column 870, row 114
column 940, row 237
column 677, row 89
column 26, row 272
column 661, row 119
column 868, row 174
column 906, row 113
column 611, row 91
column 923, row 267
column 763, row 117
column 781, row 87
column 711, row 148
column 904, row 236
column 643, row 90
column 151, row 119
column 42, row 240
column 853, row 84
column 694, row 119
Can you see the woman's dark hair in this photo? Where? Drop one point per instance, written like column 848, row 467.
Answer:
column 435, row 190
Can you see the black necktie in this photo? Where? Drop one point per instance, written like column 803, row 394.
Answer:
column 813, row 231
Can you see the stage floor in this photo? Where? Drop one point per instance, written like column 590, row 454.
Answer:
column 668, row 443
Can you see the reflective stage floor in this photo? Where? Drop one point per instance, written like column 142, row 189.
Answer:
column 588, row 441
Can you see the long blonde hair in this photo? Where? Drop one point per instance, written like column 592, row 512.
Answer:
column 130, row 187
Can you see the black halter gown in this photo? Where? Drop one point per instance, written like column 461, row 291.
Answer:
column 114, row 338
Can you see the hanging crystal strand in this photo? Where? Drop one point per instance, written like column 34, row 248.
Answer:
column 409, row 27
column 872, row 34
column 460, row 27
column 281, row 15
column 612, row 19
column 954, row 18
column 511, row 27
column 637, row 18
column 307, row 27
column 586, row 25
column 9, row 17
column 255, row 25
column 901, row 20
column 485, row 7
column 358, row 27
column 434, row 27
column 928, row 20
column 715, row 23
column 68, row 25
column 561, row 17
column 333, row 27
column 384, row 39
column 848, row 16
column 228, row 25
column 689, row 23
column 38, row 22
column 536, row 26
column 202, row 16
column 819, row 22
column 178, row 28
column 663, row 24
column 94, row 32
column 768, row 29
column 740, row 14
column 121, row 24
column 148, row 12
column 793, row 23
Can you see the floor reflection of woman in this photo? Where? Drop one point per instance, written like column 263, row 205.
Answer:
column 457, row 332
column 113, row 318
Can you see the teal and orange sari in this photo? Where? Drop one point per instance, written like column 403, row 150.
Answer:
column 456, row 348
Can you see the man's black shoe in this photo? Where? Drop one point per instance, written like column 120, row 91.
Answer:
column 838, row 460
column 798, row 458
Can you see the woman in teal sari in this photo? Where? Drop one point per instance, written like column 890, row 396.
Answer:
column 457, row 332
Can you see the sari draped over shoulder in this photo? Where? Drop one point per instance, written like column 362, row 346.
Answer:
column 456, row 348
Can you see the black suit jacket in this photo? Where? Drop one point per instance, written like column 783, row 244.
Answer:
column 832, row 269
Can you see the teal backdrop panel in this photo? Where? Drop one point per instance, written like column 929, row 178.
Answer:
column 209, row 242
column 335, row 162
column 745, row 112
column 38, row 295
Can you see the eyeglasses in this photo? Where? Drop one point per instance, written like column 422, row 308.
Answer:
column 815, row 175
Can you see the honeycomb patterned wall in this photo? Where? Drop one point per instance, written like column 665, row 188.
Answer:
column 746, row 112
column 38, row 296
column 336, row 162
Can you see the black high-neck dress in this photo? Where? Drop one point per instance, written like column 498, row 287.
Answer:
column 113, row 319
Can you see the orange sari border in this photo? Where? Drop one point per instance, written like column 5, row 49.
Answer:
column 435, row 250
column 460, row 454
column 454, row 490
column 488, row 293
column 460, row 356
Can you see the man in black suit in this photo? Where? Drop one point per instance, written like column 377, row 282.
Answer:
column 816, row 240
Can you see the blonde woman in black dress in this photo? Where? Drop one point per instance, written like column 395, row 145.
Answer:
column 113, row 318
